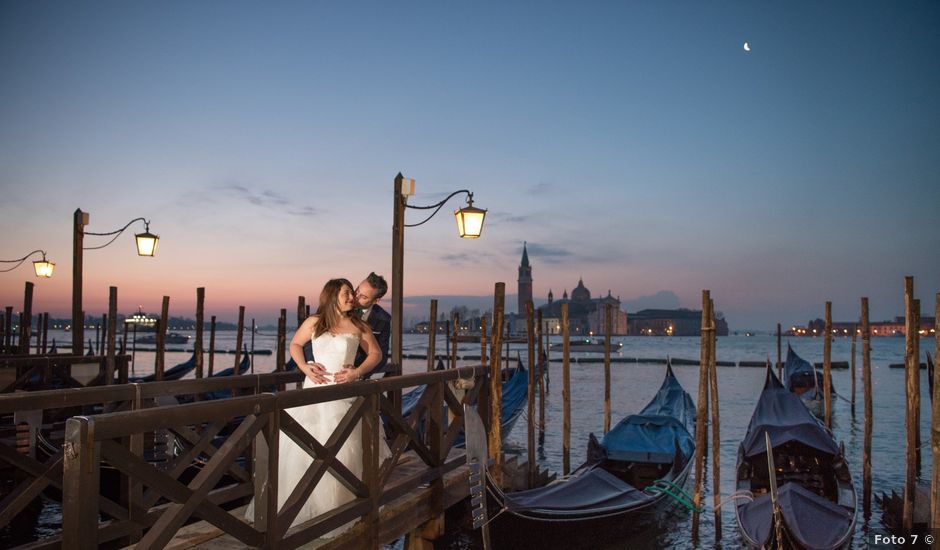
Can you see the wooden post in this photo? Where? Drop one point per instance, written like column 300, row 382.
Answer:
column 200, row 321
column 238, row 344
column 251, row 357
column 399, row 202
column 543, row 362
column 827, row 366
column 779, row 353
column 701, row 433
column 161, row 338
column 280, row 361
column 211, row 344
column 483, row 355
column 8, row 331
column 453, row 349
column 3, row 333
column 432, row 334
column 111, row 335
column 867, row 390
column 45, row 332
column 301, row 310
column 530, row 393
column 124, row 338
column 79, row 221
column 80, row 485
column 98, row 340
column 716, row 424
column 854, row 338
column 566, row 392
column 607, row 329
column 496, row 386
column 26, row 320
column 935, row 424
column 912, row 359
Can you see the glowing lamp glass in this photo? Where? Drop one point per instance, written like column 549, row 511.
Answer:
column 44, row 268
column 469, row 222
column 147, row 243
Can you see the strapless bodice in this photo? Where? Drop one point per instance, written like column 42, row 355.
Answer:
column 335, row 350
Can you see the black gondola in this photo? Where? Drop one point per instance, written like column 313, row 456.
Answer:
column 629, row 479
column 816, row 499
column 174, row 373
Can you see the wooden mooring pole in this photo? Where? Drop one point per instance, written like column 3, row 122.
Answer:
column 935, row 424
column 251, row 356
column 566, row 392
column 432, row 334
column 701, row 424
column 8, row 330
column 200, row 320
column 160, row 364
column 238, row 344
column 530, row 411
column 716, row 425
column 496, row 384
column 912, row 387
column 607, row 331
column 453, row 336
column 779, row 353
column 45, row 333
column 827, row 366
column 111, row 335
column 301, row 310
column 211, row 344
column 543, row 368
column 26, row 319
column 867, row 390
column 854, row 339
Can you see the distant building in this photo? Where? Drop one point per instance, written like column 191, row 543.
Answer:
column 672, row 322
column 585, row 314
column 896, row 327
column 524, row 282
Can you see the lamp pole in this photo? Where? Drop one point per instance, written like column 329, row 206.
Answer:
column 78, row 317
column 398, row 260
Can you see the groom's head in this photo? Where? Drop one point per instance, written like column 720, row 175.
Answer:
column 371, row 290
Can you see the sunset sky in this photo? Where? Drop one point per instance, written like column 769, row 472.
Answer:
column 634, row 144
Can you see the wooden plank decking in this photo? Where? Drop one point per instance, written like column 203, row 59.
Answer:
column 396, row 518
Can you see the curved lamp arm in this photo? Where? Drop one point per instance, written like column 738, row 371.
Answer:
column 437, row 207
column 146, row 241
column 43, row 267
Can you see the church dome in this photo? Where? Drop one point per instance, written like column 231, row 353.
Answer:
column 580, row 293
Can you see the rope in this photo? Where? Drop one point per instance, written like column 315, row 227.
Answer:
column 666, row 487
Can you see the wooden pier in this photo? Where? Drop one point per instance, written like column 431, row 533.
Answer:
column 137, row 465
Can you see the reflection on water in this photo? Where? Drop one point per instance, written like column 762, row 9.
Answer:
column 633, row 384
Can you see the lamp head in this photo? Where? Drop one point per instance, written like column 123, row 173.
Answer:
column 469, row 220
column 147, row 241
column 43, row 267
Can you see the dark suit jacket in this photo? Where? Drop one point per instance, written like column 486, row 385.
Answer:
column 381, row 323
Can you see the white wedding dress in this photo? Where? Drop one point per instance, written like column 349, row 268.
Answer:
column 320, row 419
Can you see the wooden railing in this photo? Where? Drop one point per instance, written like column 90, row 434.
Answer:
column 28, row 372
column 222, row 452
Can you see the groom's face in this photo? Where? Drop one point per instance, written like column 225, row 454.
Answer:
column 365, row 294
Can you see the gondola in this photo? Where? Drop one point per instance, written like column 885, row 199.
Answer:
column 174, row 373
column 802, row 378
column 631, row 479
column 815, row 497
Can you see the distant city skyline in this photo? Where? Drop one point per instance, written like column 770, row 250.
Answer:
column 636, row 145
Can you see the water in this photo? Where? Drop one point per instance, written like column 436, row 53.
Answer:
column 634, row 384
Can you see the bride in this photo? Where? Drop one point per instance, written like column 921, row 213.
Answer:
column 336, row 332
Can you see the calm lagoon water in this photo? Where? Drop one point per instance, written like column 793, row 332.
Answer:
column 634, row 384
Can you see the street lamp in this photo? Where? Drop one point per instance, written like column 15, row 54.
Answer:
column 43, row 267
column 146, row 246
column 469, row 226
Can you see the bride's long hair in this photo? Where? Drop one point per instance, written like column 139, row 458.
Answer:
column 328, row 310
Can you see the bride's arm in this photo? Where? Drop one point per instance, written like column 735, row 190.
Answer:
column 370, row 345
column 301, row 337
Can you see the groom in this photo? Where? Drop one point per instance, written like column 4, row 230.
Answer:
column 368, row 294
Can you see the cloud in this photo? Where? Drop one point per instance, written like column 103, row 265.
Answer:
column 540, row 188
column 264, row 198
column 505, row 217
column 548, row 253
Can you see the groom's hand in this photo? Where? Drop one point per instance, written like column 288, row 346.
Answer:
column 348, row 374
column 318, row 372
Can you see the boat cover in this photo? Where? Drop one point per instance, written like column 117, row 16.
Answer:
column 815, row 522
column 595, row 489
column 174, row 373
column 784, row 416
column 664, row 426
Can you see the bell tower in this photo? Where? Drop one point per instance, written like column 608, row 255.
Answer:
column 525, row 280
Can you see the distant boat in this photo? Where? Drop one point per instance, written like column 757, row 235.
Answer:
column 171, row 338
column 801, row 378
column 587, row 344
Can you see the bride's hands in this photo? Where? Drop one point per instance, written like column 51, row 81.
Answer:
column 318, row 374
column 348, row 374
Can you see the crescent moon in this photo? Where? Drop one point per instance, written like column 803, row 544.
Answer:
column 747, row 47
